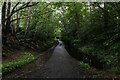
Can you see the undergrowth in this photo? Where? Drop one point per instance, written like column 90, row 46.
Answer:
column 19, row 62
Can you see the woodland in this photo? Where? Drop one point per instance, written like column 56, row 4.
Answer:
column 89, row 30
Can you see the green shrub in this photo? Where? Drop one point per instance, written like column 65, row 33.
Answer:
column 22, row 60
column 116, row 69
column 84, row 65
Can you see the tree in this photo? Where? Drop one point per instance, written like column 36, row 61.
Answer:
column 6, row 16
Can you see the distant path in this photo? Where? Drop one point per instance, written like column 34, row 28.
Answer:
column 61, row 65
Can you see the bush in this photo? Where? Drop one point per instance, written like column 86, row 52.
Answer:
column 84, row 65
column 116, row 69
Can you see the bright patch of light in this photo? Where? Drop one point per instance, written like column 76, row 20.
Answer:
column 0, row 18
column 59, row 21
column 117, row 17
column 83, row 7
column 58, row 11
column 48, row 1
column 102, row 5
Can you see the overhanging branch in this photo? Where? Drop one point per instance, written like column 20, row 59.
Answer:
column 28, row 16
column 22, row 7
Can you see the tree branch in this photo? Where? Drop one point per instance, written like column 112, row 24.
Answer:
column 22, row 7
column 28, row 16
column 15, row 6
column 108, row 13
column 25, row 6
column 20, row 18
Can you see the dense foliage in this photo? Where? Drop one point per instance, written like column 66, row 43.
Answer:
column 91, row 31
column 94, row 29
column 31, row 26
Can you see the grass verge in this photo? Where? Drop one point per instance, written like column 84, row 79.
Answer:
column 26, row 58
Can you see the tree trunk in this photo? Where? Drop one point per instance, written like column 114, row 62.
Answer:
column 3, row 14
column 18, row 15
column 28, row 20
column 3, row 24
column 77, row 19
column 8, row 20
column 8, row 25
column 105, row 17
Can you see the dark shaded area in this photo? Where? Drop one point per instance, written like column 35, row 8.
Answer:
column 79, row 55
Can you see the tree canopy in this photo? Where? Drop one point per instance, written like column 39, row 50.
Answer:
column 91, row 28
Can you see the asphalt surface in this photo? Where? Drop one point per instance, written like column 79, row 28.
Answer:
column 60, row 65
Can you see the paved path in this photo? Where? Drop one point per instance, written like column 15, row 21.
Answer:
column 60, row 65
